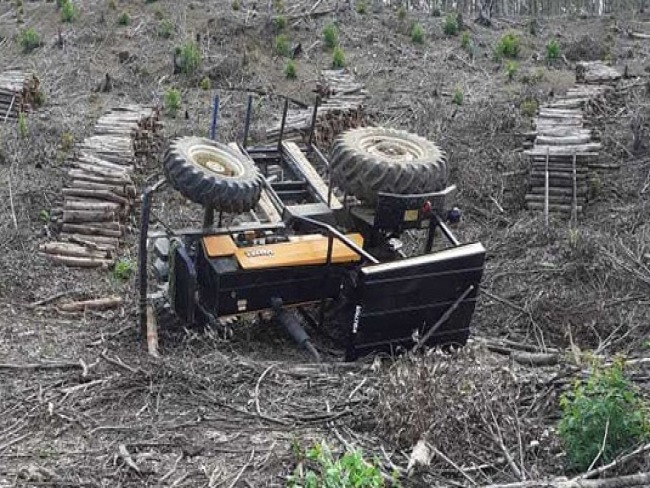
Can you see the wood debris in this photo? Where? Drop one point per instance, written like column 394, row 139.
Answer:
column 101, row 190
column 341, row 108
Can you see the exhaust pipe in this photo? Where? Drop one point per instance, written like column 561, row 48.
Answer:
column 291, row 323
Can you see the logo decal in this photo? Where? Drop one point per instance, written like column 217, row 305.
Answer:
column 357, row 316
column 255, row 253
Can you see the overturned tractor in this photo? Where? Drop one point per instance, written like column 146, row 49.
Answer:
column 299, row 253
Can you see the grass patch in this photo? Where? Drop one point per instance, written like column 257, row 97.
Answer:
column 281, row 44
column 172, row 102
column 331, row 35
column 68, row 11
column 165, row 29
column 529, row 107
column 124, row 19
column 338, row 58
column 205, row 84
column 23, row 130
column 290, row 70
column 450, row 26
column 123, row 269
column 458, row 98
column 511, row 69
column 552, row 50
column 29, row 40
column 189, row 57
column 417, row 34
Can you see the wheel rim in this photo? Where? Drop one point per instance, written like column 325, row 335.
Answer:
column 391, row 148
column 217, row 161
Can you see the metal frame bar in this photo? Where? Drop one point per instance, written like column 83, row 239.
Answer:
column 284, row 121
column 142, row 255
column 247, row 123
column 215, row 118
column 314, row 116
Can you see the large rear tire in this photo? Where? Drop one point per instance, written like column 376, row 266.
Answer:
column 213, row 174
column 374, row 159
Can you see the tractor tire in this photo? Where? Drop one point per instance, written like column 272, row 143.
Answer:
column 213, row 174
column 370, row 160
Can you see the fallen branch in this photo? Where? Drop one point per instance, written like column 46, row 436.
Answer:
column 641, row 479
column 35, row 366
column 97, row 304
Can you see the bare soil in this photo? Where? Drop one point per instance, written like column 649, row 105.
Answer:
column 82, row 404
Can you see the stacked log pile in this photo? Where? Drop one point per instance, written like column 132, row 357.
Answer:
column 18, row 93
column 101, row 191
column 564, row 149
column 341, row 108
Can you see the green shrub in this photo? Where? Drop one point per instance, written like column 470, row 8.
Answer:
column 331, row 35
column 278, row 5
column 150, row 1
column 401, row 13
column 280, row 22
column 361, row 7
column 511, row 69
column 68, row 11
column 458, row 98
column 23, row 130
column 235, row 5
column 338, row 58
column 29, row 40
column 172, row 102
column 123, row 269
column 319, row 468
column 112, row 4
column 165, row 29
column 67, row 142
column 158, row 14
column 281, row 44
column 465, row 40
column 290, row 69
column 450, row 26
column 205, row 84
column 529, row 107
column 606, row 402
column 507, row 46
column 417, row 33
column 552, row 50
column 124, row 19
column 189, row 57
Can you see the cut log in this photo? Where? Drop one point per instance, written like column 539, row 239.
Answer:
column 563, row 140
column 99, row 241
column 591, row 148
column 97, row 304
column 79, row 216
column 96, row 194
column 91, row 230
column 79, row 262
column 92, row 205
column 121, row 190
column 69, row 249
column 552, row 208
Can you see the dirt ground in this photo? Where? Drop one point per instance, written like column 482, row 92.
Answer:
column 82, row 404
